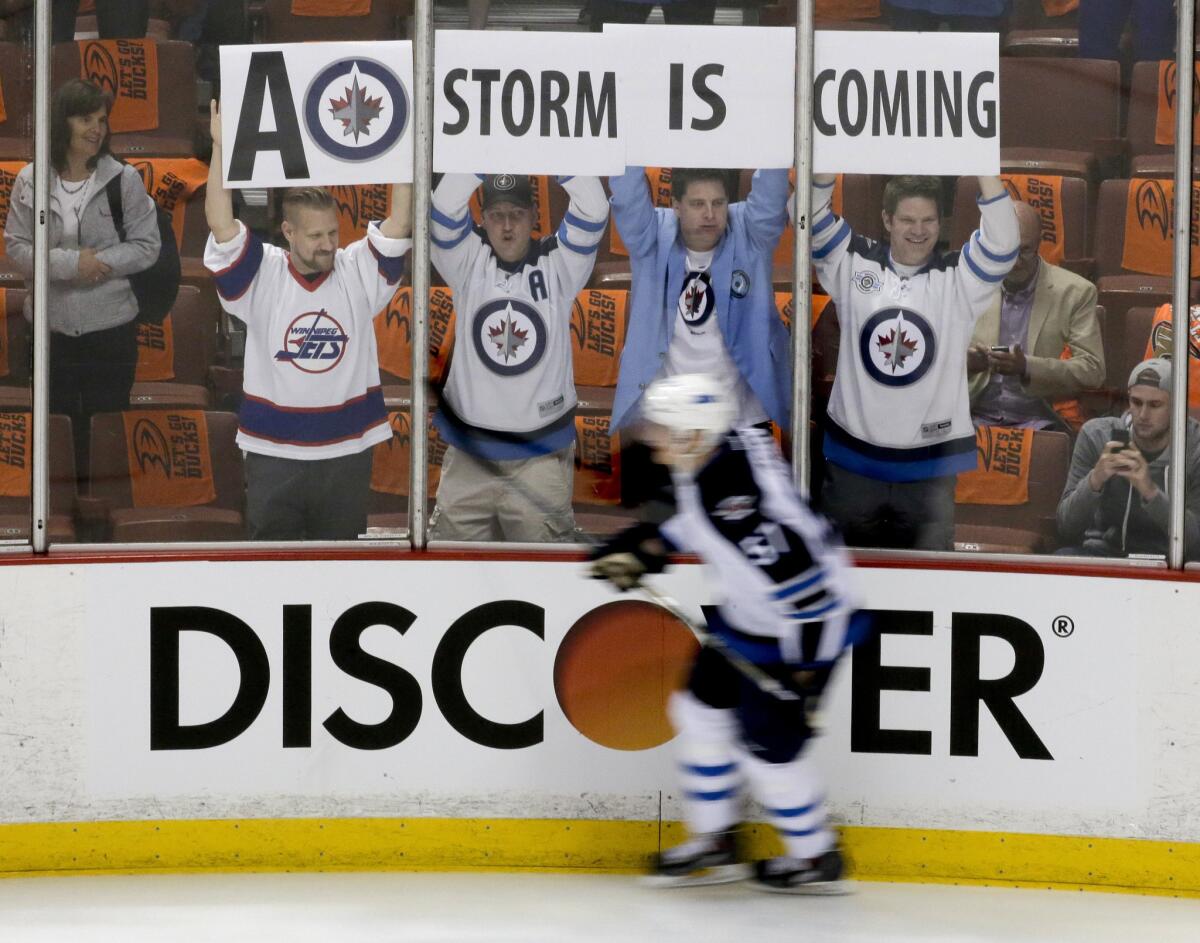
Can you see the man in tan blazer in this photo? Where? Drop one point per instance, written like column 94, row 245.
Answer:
column 1016, row 367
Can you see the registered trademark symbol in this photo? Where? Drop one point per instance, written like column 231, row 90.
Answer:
column 1063, row 626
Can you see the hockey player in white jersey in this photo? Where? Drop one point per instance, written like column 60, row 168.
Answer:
column 313, row 405
column 899, row 427
column 785, row 605
column 507, row 410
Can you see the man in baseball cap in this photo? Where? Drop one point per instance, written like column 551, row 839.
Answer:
column 1115, row 502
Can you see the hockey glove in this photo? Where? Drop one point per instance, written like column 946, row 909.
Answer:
column 623, row 570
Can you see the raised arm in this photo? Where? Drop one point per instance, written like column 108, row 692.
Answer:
column 398, row 225
column 581, row 229
column 633, row 211
column 990, row 187
column 766, row 207
column 218, row 202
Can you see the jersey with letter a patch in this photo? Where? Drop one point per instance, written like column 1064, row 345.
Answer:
column 899, row 410
column 511, row 386
column 311, row 383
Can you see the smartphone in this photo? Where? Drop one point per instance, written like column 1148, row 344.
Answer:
column 1001, row 349
column 1120, row 435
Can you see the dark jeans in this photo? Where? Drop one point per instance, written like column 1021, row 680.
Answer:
column 90, row 374
column 116, row 19
column 1101, row 23
column 900, row 515
column 298, row 499
column 900, row 18
column 679, row 13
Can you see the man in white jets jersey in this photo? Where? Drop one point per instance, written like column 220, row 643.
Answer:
column 899, row 426
column 507, row 411
column 313, row 405
column 785, row 607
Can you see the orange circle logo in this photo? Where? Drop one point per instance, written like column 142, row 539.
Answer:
column 615, row 669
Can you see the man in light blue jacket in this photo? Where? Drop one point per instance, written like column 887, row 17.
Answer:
column 702, row 298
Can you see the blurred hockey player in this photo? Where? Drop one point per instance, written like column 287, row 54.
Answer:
column 785, row 606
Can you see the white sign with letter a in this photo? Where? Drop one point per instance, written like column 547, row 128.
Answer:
column 910, row 103
column 317, row 114
column 707, row 96
column 530, row 103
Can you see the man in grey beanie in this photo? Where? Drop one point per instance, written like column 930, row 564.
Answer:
column 1115, row 502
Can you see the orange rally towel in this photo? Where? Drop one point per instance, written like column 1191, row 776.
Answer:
column 16, row 445
column 3, row 110
column 1164, row 117
column 597, row 462
column 4, row 367
column 331, row 7
column 393, row 333
column 128, row 70
column 1159, row 345
column 389, row 464
column 1003, row 473
column 783, row 304
column 8, row 176
column 172, row 183
column 1059, row 7
column 598, row 333
column 1069, row 409
column 846, row 9
column 156, row 352
column 169, row 460
column 1044, row 194
column 540, row 187
column 1149, row 224
column 357, row 205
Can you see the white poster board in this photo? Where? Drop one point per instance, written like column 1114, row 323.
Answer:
column 706, row 96
column 515, row 102
column 927, row 103
column 317, row 114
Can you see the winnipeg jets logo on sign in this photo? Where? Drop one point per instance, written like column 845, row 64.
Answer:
column 509, row 335
column 356, row 109
column 313, row 342
column 897, row 346
column 696, row 300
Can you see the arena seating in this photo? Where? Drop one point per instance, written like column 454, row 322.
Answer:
column 1020, row 528
column 111, row 499
column 16, row 92
column 16, row 511
column 274, row 21
column 175, row 357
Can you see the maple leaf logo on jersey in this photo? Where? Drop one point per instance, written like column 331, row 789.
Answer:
column 896, row 347
column 508, row 338
column 356, row 111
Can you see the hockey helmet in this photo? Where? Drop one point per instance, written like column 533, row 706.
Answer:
column 690, row 402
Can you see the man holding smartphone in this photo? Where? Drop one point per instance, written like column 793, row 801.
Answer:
column 1115, row 501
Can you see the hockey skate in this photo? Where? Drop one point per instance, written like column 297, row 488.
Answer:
column 819, row 876
column 705, row 859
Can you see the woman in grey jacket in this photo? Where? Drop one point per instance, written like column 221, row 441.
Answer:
column 92, row 309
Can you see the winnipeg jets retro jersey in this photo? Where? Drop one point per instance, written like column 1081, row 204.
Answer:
column 779, row 567
column 899, row 409
column 511, row 388
column 311, row 382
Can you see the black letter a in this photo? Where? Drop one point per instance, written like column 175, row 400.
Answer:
column 267, row 69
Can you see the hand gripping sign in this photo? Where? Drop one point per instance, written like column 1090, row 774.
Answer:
column 317, row 114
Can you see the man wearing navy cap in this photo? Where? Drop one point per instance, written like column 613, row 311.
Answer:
column 1115, row 501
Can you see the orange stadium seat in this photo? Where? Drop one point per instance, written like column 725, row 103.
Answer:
column 174, row 357
column 16, row 96
column 1132, row 245
column 16, row 508
column 117, row 452
column 283, row 21
column 1063, row 204
column 1151, row 134
column 1059, row 115
column 1022, row 528
column 175, row 134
